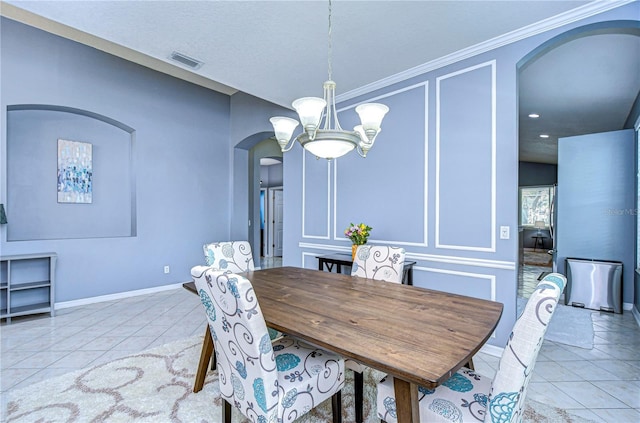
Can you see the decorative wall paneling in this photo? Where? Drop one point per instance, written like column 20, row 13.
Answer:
column 466, row 139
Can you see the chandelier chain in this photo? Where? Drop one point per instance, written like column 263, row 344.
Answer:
column 330, row 45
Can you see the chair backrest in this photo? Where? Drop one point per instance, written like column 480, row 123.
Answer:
column 509, row 387
column 379, row 262
column 232, row 256
column 245, row 358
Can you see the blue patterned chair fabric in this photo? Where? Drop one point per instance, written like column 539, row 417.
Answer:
column 378, row 262
column 267, row 381
column 470, row 397
column 232, row 256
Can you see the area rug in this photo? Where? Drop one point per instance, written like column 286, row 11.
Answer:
column 156, row 386
column 569, row 325
column 542, row 275
column 537, row 258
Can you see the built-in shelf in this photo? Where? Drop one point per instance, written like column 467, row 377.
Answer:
column 27, row 286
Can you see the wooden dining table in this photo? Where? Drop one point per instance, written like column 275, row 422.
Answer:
column 419, row 336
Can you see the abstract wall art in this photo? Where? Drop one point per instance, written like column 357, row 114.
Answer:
column 75, row 172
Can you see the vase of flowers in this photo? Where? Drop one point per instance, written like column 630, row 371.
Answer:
column 358, row 234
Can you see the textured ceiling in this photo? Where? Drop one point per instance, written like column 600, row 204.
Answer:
column 277, row 50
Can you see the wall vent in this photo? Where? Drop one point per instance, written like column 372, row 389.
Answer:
column 186, row 60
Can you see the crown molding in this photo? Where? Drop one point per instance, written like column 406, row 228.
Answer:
column 570, row 16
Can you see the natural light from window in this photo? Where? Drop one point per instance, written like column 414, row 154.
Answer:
column 535, row 205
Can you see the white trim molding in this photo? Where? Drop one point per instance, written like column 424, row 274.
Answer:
column 492, row 350
column 304, row 195
column 492, row 242
column 463, row 261
column 591, row 9
column 490, row 278
column 339, row 236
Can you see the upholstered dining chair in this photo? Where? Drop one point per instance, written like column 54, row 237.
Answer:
column 470, row 397
column 232, row 256
column 373, row 262
column 229, row 256
column 379, row 262
column 268, row 381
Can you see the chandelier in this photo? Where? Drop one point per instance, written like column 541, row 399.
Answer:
column 329, row 141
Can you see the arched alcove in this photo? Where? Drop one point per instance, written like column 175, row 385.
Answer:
column 33, row 131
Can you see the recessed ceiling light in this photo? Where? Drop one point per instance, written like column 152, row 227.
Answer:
column 544, row 136
column 534, row 115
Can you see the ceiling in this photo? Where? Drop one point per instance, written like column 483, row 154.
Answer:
column 277, row 50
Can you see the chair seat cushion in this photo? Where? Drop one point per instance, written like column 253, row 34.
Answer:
column 307, row 375
column 462, row 398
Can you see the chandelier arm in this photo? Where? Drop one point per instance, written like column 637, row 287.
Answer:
column 291, row 143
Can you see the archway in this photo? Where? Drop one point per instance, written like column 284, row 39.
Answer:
column 606, row 57
column 246, row 187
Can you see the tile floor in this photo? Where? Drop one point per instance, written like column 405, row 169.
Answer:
column 602, row 384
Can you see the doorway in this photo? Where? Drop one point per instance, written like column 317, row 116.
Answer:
column 270, row 181
column 565, row 91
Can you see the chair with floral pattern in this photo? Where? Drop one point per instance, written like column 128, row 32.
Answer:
column 379, row 262
column 470, row 397
column 232, row 256
column 268, row 381
column 229, row 256
column 373, row 262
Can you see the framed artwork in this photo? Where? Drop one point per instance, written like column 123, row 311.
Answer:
column 75, row 172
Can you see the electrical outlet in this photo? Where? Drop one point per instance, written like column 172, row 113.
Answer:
column 167, row 269
column 504, row 232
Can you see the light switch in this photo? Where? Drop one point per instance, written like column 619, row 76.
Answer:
column 504, row 232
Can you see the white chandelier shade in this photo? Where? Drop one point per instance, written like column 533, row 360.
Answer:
column 329, row 141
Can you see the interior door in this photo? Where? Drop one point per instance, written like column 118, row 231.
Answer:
column 277, row 222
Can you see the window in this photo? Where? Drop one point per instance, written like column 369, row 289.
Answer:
column 535, row 205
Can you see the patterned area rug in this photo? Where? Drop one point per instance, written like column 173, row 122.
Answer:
column 156, row 386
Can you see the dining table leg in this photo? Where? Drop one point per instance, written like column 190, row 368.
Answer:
column 407, row 408
column 205, row 359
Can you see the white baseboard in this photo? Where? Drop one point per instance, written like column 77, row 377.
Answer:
column 118, row 296
column 492, row 350
column 627, row 306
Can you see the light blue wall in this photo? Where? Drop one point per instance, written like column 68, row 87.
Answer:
column 32, row 134
column 192, row 168
column 249, row 126
column 437, row 182
column 440, row 181
column 596, row 201
column 181, row 153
